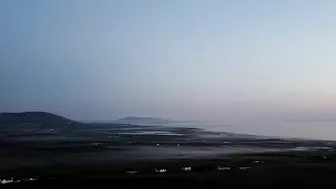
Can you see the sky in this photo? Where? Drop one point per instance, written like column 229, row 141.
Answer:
column 175, row 59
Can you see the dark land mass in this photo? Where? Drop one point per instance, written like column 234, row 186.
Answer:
column 273, row 170
column 59, row 152
column 31, row 120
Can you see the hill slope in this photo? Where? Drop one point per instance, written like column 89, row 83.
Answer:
column 33, row 119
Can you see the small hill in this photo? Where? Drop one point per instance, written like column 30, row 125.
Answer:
column 35, row 119
column 142, row 120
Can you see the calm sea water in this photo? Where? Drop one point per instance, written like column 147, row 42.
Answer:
column 306, row 130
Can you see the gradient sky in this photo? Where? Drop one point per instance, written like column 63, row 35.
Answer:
column 177, row 59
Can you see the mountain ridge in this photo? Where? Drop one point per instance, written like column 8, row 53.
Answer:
column 34, row 118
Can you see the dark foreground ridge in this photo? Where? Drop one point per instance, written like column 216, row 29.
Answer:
column 267, row 170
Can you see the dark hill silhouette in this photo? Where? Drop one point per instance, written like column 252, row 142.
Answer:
column 33, row 119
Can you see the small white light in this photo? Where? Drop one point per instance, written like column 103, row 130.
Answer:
column 244, row 168
column 160, row 170
column 4, row 181
column 223, row 168
column 187, row 169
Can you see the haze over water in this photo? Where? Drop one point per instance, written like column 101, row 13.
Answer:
column 300, row 130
